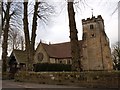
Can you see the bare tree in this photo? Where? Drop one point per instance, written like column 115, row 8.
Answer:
column 40, row 9
column 8, row 14
column 22, row 43
column 15, row 40
column 26, row 31
column 0, row 19
column 116, row 56
column 34, row 28
column 5, row 36
column 30, row 44
column 15, row 30
column 75, row 49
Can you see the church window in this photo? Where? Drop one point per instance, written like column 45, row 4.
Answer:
column 68, row 61
column 56, row 60
column 60, row 61
column 93, row 35
column 91, row 26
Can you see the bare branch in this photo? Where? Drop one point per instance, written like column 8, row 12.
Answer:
column 45, row 11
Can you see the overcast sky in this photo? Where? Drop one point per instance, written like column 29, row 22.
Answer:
column 57, row 30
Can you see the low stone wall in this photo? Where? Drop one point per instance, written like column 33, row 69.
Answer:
column 82, row 79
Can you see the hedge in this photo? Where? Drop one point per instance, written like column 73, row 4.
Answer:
column 51, row 67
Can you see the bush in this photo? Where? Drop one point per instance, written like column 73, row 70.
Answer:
column 5, row 76
column 51, row 67
column 118, row 66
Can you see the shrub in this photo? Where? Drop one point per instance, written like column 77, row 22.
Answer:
column 51, row 67
column 5, row 76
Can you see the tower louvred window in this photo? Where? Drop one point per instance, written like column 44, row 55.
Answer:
column 91, row 26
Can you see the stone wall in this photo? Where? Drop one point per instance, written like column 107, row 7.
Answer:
column 83, row 79
column 96, row 50
column 45, row 55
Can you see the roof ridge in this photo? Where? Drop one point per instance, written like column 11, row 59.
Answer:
column 17, row 50
column 63, row 43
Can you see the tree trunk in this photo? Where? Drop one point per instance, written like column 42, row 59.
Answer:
column 5, row 38
column 75, row 49
column 34, row 28
column 22, row 43
column 26, row 33
column 30, row 49
column 2, row 19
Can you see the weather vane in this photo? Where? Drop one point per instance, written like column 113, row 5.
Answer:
column 92, row 12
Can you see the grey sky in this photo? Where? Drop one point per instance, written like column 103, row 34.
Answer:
column 119, row 19
column 58, row 29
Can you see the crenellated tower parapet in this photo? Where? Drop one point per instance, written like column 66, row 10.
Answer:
column 93, row 19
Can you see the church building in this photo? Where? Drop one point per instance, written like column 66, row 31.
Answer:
column 95, row 53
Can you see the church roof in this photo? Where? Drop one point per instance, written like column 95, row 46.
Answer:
column 60, row 50
column 20, row 56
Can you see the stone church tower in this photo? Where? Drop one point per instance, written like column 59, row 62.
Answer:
column 95, row 48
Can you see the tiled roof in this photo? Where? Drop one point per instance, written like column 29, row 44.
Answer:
column 60, row 50
column 20, row 56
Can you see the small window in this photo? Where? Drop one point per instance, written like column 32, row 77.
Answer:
column 91, row 26
column 92, row 35
column 68, row 61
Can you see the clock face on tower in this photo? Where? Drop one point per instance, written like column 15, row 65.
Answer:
column 40, row 56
